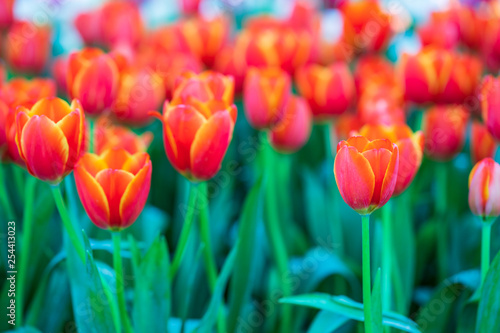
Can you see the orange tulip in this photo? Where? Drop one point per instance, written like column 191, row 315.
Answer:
column 366, row 172
column 373, row 70
column 265, row 94
column 108, row 135
column 344, row 125
column 203, row 87
column 490, row 39
column 293, row 131
column 442, row 30
column 490, row 104
column 231, row 61
column 482, row 143
column 113, row 186
column 381, row 105
column 6, row 13
column 49, row 137
column 28, row 47
column 197, row 136
column 140, row 91
column 93, row 78
column 484, row 189
column 471, row 27
column 410, row 145
column 444, row 130
column 328, row 90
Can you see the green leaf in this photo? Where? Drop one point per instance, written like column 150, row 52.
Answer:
column 489, row 305
column 152, row 289
column 240, row 286
column 327, row 322
column 347, row 307
column 377, row 303
column 208, row 320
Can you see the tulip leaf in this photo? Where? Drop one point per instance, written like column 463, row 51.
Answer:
column 327, row 322
column 489, row 305
column 345, row 306
column 152, row 289
column 377, row 304
column 240, row 286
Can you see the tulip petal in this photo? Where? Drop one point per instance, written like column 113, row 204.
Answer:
column 21, row 120
column 115, row 158
column 92, row 163
column 135, row 196
column 54, row 108
column 210, row 145
column 45, row 148
column 92, row 195
column 114, row 183
column 358, row 142
column 379, row 161
column 410, row 159
column 135, row 163
column 72, row 127
column 379, row 144
column 355, row 178
column 390, row 178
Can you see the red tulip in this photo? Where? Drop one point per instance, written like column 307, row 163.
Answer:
column 60, row 74
column 93, row 78
column 373, row 70
column 366, row 172
column 490, row 104
column 265, row 94
column 328, row 90
column 381, row 105
column 444, row 130
column 204, row 87
column 113, row 186
column 484, row 189
column 293, row 131
column 410, row 145
column 6, row 13
column 189, row 7
column 49, row 137
column 231, row 61
column 28, row 47
column 442, row 30
column 482, row 143
column 3, row 74
column 197, row 136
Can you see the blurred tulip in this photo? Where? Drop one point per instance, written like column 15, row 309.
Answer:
column 410, row 145
column 471, row 27
column 381, row 105
column 20, row 91
column 265, row 94
column 344, row 125
column 366, row 172
column 231, row 61
column 197, row 136
column 93, row 78
column 293, row 131
column 373, row 70
column 3, row 74
column 366, row 26
column 484, row 189
column 6, row 13
column 203, row 87
column 204, row 38
column 8, row 146
column 328, row 90
column 60, row 74
column 140, row 91
column 490, row 48
column 441, row 31
column 189, row 7
column 113, row 186
column 108, row 135
column 482, row 143
column 490, row 104
column 28, row 47
column 49, row 137
column 444, row 131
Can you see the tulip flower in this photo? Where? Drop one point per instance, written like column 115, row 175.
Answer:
column 366, row 172
column 231, row 61
column 265, row 94
column 373, row 70
column 293, row 131
column 189, row 7
column 113, row 186
column 140, row 91
column 410, row 146
column 490, row 103
column 93, row 78
column 60, row 73
column 328, row 90
column 6, row 13
column 442, row 30
column 444, row 130
column 108, row 135
column 381, row 105
column 344, row 125
column 482, row 143
column 471, row 27
column 490, row 40
column 49, row 137
column 196, row 136
column 28, row 47
column 203, row 87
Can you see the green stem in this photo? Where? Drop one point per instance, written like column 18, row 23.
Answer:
column 4, row 196
column 367, row 296
column 485, row 249
column 186, row 228
column 387, row 256
column 120, row 288
column 26, row 246
column 73, row 235
column 19, row 173
column 275, row 235
column 442, row 233
column 91, row 134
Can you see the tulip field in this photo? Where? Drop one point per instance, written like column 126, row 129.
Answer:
column 249, row 166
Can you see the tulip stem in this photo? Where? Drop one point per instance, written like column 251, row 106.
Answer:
column 442, row 231
column 485, row 249
column 63, row 212
column 387, row 254
column 91, row 134
column 275, row 236
column 4, row 196
column 367, row 296
column 25, row 246
column 186, row 229
column 120, row 288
